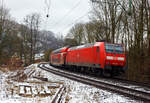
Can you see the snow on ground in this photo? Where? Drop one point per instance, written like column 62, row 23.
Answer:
column 28, row 86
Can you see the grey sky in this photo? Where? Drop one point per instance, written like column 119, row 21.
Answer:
column 58, row 9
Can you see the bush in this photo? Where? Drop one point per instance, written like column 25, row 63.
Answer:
column 47, row 54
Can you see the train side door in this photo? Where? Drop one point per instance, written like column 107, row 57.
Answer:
column 61, row 58
column 96, row 56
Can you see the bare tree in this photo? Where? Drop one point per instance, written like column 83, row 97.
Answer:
column 111, row 13
column 32, row 21
column 4, row 16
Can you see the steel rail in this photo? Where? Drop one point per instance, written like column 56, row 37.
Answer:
column 58, row 95
column 132, row 93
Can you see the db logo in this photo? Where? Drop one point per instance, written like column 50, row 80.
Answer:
column 115, row 58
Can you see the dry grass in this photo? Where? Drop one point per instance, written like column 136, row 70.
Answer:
column 13, row 64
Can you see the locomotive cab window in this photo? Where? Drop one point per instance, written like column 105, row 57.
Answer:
column 119, row 49
column 109, row 48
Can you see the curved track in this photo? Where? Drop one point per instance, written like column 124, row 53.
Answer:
column 129, row 92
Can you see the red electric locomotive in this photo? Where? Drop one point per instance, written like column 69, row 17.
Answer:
column 100, row 57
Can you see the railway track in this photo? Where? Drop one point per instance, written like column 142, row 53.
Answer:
column 132, row 82
column 129, row 92
column 58, row 95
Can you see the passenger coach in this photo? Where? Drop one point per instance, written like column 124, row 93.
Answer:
column 57, row 57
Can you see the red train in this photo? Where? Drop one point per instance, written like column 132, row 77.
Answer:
column 99, row 57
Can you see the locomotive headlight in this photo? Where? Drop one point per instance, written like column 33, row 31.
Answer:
column 109, row 57
column 121, row 58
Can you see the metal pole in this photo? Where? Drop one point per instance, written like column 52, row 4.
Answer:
column 130, row 6
column 130, row 3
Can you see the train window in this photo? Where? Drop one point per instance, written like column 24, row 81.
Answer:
column 119, row 49
column 109, row 48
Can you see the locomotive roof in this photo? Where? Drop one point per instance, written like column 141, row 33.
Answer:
column 90, row 45
column 85, row 45
column 80, row 46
